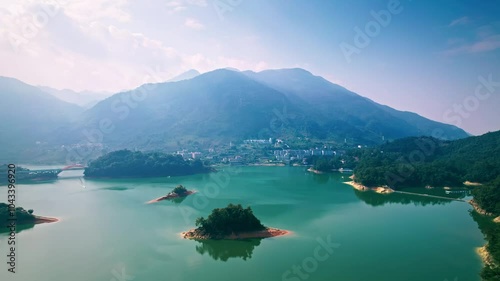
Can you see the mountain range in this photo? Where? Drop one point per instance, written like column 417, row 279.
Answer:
column 218, row 106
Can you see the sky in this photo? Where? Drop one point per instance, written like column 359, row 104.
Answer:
column 440, row 59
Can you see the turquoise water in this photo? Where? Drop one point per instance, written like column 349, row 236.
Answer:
column 106, row 231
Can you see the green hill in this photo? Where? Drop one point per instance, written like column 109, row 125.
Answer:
column 225, row 105
column 125, row 163
column 421, row 161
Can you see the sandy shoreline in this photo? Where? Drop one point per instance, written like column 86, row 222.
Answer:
column 485, row 256
column 266, row 233
column 469, row 183
column 40, row 220
column 170, row 196
column 315, row 171
column 268, row 164
column 379, row 189
column 479, row 209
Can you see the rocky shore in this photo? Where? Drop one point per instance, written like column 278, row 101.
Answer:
column 265, row 233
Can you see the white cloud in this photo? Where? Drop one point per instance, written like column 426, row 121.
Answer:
column 174, row 6
column 193, row 24
column 486, row 40
column 459, row 21
column 96, row 45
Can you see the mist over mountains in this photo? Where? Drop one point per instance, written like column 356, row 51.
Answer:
column 210, row 108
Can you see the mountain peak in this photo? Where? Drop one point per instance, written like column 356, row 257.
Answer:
column 192, row 73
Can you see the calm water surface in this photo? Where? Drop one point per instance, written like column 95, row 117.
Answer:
column 107, row 233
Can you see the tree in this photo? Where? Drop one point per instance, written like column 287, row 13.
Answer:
column 179, row 190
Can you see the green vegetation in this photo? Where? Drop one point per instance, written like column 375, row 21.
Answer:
column 180, row 190
column 329, row 163
column 491, row 231
column 413, row 162
column 488, row 198
column 228, row 220
column 125, row 163
column 5, row 167
column 225, row 250
column 22, row 216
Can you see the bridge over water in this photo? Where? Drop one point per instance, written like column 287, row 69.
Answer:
column 57, row 171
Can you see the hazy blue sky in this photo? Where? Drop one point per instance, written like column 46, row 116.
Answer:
column 421, row 56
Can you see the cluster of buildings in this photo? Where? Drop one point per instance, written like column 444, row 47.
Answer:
column 291, row 154
column 189, row 154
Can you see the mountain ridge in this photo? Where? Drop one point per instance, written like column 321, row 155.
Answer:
column 226, row 105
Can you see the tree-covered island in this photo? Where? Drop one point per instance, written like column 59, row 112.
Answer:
column 126, row 163
column 178, row 192
column 232, row 222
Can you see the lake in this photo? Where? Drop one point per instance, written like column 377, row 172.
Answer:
column 107, row 233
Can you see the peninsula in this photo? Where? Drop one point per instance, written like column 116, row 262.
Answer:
column 232, row 222
column 23, row 217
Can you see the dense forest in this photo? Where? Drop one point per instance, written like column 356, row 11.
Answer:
column 125, row 163
column 414, row 162
column 22, row 216
column 224, row 221
column 421, row 161
column 488, row 198
column 335, row 162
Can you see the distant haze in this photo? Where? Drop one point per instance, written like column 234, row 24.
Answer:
column 427, row 57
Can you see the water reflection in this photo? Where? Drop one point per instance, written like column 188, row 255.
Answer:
column 335, row 176
column 376, row 199
column 6, row 231
column 178, row 200
column 226, row 249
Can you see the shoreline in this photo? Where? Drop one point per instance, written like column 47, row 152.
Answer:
column 315, row 171
column 469, row 183
column 378, row 189
column 171, row 196
column 480, row 210
column 485, row 256
column 41, row 219
column 265, row 233
column 267, row 164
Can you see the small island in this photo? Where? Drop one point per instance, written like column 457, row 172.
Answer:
column 232, row 222
column 178, row 192
column 22, row 216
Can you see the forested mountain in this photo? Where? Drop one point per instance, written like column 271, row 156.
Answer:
column 225, row 105
column 215, row 107
column 29, row 115
column 347, row 113
column 420, row 161
column 84, row 99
